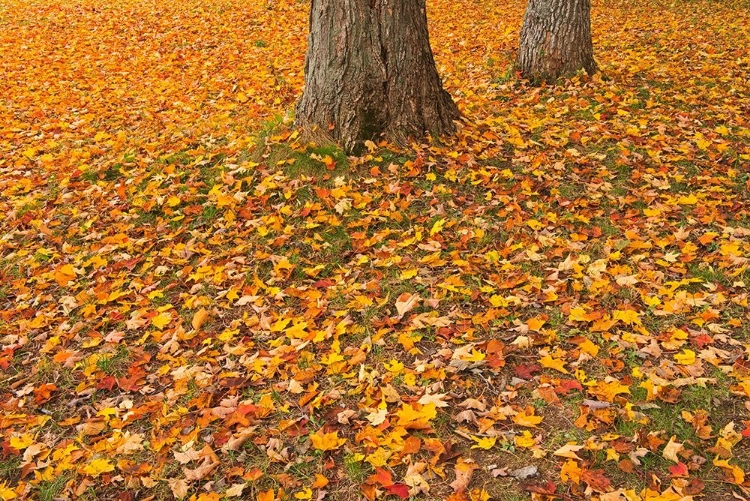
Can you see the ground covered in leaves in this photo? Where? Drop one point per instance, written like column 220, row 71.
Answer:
column 194, row 303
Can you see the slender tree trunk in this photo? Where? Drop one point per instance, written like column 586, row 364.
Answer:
column 370, row 71
column 556, row 39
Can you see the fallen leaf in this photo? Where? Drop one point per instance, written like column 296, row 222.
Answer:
column 199, row 319
column 464, row 471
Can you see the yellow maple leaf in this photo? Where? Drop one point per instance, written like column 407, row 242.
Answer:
column 379, row 457
column 65, row 274
column 527, row 418
column 485, row 443
column 627, row 316
column 571, row 472
column 437, row 227
column 534, row 224
column 305, row 493
column 326, row 441
column 498, row 301
column 722, row 130
column 737, row 475
column 688, row 200
column 479, row 495
column 394, row 366
column 21, row 442
column 161, row 320
column 98, row 466
column 407, row 274
column 589, row 347
column 6, row 493
column 607, row 390
column 416, row 416
column 578, row 314
column 525, row 440
column 687, row 357
column 553, row 363
column 536, row 323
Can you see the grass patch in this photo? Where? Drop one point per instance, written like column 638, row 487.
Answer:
column 356, row 471
column 50, row 490
column 114, row 364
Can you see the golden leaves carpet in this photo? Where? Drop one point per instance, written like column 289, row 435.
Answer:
column 194, row 303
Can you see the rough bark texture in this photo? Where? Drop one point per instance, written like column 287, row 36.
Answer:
column 556, row 39
column 370, row 71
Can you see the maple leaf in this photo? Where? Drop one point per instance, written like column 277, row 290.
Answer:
column 571, row 472
column 596, row 479
column 485, row 443
column 21, row 442
column 201, row 471
column 320, row 481
column 433, row 398
column 629, row 317
column 7, row 493
column 569, row 451
column 123, row 189
column 306, row 493
column 200, row 318
column 734, row 473
column 235, row 490
column 161, row 320
column 672, row 449
column 98, row 466
column 687, row 357
column 679, row 470
column 400, row 490
column 464, row 471
column 405, row 303
column 416, row 417
column 65, row 274
column 437, row 227
column 527, row 418
column 178, row 487
column 553, row 363
column 326, row 441
column 525, row 440
column 268, row 495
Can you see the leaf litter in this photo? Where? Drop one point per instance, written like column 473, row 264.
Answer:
column 196, row 304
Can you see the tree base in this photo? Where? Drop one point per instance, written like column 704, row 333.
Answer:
column 370, row 73
column 556, row 40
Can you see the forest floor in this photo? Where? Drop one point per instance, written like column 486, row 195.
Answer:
column 196, row 304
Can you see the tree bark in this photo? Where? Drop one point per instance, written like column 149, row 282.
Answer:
column 556, row 40
column 370, row 72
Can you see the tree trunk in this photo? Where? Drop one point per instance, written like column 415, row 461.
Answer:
column 556, row 40
column 370, row 72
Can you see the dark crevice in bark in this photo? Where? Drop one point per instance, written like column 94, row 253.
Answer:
column 384, row 59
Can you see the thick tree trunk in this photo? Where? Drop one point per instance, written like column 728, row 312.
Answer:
column 370, row 72
column 556, row 39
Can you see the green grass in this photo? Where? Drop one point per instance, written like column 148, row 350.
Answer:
column 309, row 163
column 356, row 471
column 10, row 469
column 708, row 274
column 114, row 364
column 50, row 490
